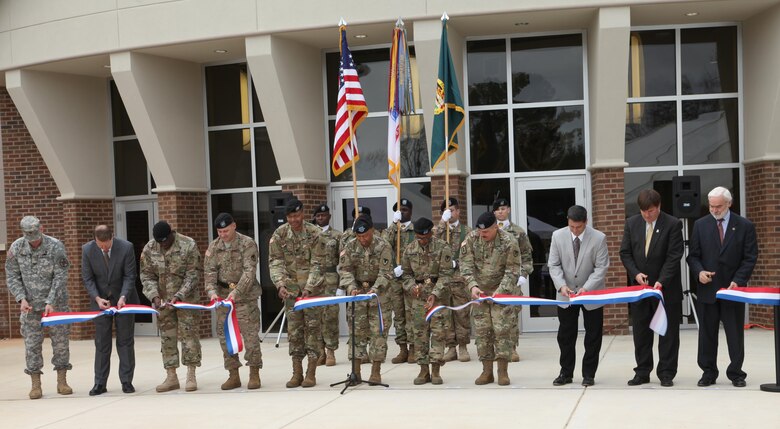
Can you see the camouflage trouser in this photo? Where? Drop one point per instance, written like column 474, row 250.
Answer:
column 179, row 325
column 434, row 333
column 461, row 320
column 493, row 326
column 399, row 308
column 367, row 326
column 304, row 332
column 330, row 316
column 361, row 343
column 32, row 332
column 248, row 315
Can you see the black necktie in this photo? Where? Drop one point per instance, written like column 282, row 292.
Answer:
column 576, row 248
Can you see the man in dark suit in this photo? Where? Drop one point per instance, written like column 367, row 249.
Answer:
column 651, row 250
column 723, row 254
column 108, row 269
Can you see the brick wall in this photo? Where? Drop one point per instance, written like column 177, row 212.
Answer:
column 762, row 197
column 311, row 195
column 457, row 190
column 608, row 216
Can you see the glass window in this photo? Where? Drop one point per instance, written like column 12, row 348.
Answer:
column 130, row 170
column 227, row 94
column 484, row 192
column 414, row 148
column 420, row 196
column 661, row 181
column 257, row 112
column 547, row 68
column 486, row 60
column 489, row 143
column 230, row 159
column 549, row 138
column 651, row 134
column 120, row 121
column 270, row 214
column 239, row 206
column 651, row 66
column 710, row 131
column 372, row 149
column 709, row 60
column 267, row 171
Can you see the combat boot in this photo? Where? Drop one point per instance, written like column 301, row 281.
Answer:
column 451, row 355
column 376, row 376
column 192, row 384
column 321, row 359
column 503, row 374
column 311, row 372
column 358, row 377
column 330, row 357
column 515, row 356
column 487, row 373
column 171, row 381
column 403, row 355
column 254, row 378
column 62, row 383
column 35, row 392
column 297, row 377
column 435, row 377
column 233, row 381
column 423, row 377
column 411, row 358
column 463, row 353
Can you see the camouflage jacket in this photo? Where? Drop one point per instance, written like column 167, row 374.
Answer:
column 289, row 258
column 38, row 275
column 171, row 273
column 372, row 265
column 492, row 266
column 407, row 236
column 325, row 260
column 525, row 248
column 429, row 266
column 345, row 238
column 234, row 262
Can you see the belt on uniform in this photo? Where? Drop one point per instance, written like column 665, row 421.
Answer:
column 226, row 285
column 330, row 270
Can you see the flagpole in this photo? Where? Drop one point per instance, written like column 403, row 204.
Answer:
column 446, row 168
column 352, row 145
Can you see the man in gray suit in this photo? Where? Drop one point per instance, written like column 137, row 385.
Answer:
column 108, row 268
column 578, row 262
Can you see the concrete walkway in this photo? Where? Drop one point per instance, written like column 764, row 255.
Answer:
column 458, row 403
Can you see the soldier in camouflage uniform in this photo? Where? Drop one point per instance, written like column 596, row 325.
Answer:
column 427, row 265
column 230, row 271
column 289, row 263
column 365, row 266
column 36, row 272
column 490, row 263
column 347, row 236
column 503, row 211
column 170, row 270
column 328, row 244
column 398, row 300
column 461, row 320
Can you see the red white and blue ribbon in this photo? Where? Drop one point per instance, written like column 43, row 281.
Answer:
column 233, row 340
column 751, row 295
column 66, row 318
column 319, row 301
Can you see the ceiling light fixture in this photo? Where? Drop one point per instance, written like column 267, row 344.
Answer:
column 106, row 66
column 221, row 51
column 691, row 14
column 518, row 24
column 360, row 36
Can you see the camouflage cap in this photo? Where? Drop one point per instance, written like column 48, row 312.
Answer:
column 486, row 220
column 31, row 228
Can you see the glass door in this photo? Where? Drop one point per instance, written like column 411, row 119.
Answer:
column 541, row 209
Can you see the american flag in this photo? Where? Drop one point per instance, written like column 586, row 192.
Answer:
column 350, row 99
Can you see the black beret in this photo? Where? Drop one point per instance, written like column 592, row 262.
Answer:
column 161, row 231
column 453, row 202
column 294, row 205
column 500, row 203
column 362, row 224
column 322, row 208
column 423, row 226
column 362, row 210
column 223, row 220
column 486, row 220
column 404, row 203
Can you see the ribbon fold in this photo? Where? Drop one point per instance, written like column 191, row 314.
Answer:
column 66, row 318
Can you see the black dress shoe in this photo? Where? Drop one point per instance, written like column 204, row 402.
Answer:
column 638, row 380
column 704, row 382
column 667, row 382
column 588, row 381
column 739, row 382
column 561, row 380
column 98, row 389
column 127, row 387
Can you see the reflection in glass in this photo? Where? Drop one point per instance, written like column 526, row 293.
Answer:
column 661, row 181
column 489, row 142
column 710, row 131
column 230, row 159
column 484, row 192
column 265, row 162
column 130, row 172
column 227, row 95
column 549, row 138
column 420, row 196
column 651, row 134
column 414, row 149
column 486, row 61
column 270, row 214
column 239, row 206
column 726, row 177
column 120, row 121
column 377, row 205
column 651, row 65
column 709, row 60
column 257, row 112
column 547, row 68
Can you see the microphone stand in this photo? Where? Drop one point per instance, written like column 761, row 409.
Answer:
column 352, row 379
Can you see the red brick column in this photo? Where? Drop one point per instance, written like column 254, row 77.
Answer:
column 310, row 194
column 762, row 198
column 457, row 190
column 609, row 216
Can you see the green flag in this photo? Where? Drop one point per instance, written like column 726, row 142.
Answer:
column 447, row 94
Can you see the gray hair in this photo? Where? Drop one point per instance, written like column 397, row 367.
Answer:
column 720, row 191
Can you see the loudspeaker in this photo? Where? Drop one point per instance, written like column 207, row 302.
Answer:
column 686, row 196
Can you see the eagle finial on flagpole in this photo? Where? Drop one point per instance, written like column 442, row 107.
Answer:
column 445, row 17
column 342, row 23
column 400, row 22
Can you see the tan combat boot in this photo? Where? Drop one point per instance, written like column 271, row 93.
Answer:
column 376, row 376
column 435, row 376
column 311, row 373
column 233, row 381
column 423, row 377
column 451, row 355
column 330, row 357
column 515, row 356
column 503, row 374
column 403, row 355
column 192, row 384
column 62, row 383
column 487, row 373
column 35, row 392
column 297, row 377
column 321, row 359
column 463, row 353
column 412, row 358
column 357, row 373
column 171, row 381
column 254, row 378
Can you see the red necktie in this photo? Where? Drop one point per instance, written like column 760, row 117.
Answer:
column 720, row 230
